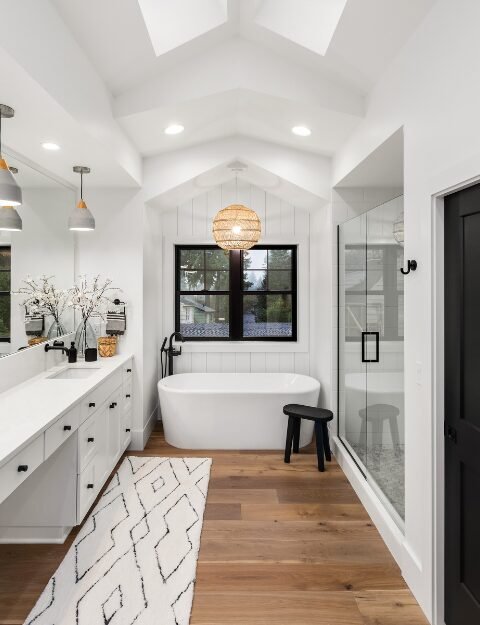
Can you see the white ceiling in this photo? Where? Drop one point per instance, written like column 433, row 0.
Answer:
column 251, row 68
column 382, row 168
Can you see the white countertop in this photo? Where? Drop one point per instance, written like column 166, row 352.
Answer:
column 30, row 408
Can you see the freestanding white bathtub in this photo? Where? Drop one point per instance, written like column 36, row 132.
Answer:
column 233, row 410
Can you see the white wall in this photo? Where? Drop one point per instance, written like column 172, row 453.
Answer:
column 151, row 315
column 431, row 89
column 115, row 250
column 281, row 222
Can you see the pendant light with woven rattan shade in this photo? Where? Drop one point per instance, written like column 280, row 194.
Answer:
column 236, row 227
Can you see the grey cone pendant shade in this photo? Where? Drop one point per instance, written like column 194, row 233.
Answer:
column 81, row 219
column 10, row 220
column 10, row 192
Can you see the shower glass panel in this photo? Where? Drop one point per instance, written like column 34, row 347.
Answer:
column 371, row 397
column 352, row 323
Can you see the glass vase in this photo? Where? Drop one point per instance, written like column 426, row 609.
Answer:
column 56, row 329
column 85, row 337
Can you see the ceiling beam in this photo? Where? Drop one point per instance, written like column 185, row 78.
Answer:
column 309, row 172
column 227, row 67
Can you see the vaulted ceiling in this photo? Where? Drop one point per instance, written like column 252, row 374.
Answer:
column 253, row 68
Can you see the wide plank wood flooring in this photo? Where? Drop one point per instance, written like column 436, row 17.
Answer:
column 281, row 545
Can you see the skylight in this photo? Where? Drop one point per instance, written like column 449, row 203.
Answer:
column 170, row 24
column 308, row 23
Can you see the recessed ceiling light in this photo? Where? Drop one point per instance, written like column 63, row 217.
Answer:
column 301, row 131
column 174, row 129
column 48, row 145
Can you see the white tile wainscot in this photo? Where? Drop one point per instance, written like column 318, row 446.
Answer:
column 61, row 438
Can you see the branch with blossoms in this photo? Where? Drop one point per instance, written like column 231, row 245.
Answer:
column 41, row 297
column 93, row 298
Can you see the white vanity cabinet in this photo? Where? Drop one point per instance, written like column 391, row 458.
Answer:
column 103, row 436
column 77, row 450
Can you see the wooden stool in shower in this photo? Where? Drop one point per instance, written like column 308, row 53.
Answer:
column 376, row 415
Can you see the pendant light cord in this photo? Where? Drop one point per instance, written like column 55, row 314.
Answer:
column 0, row 135
column 81, row 185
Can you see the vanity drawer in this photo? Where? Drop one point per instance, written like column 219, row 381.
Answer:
column 128, row 394
column 20, row 467
column 127, row 370
column 62, row 429
column 99, row 395
column 91, row 439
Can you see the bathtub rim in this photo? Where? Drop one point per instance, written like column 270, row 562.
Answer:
column 161, row 385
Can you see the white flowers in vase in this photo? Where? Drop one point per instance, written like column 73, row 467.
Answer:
column 41, row 297
column 91, row 299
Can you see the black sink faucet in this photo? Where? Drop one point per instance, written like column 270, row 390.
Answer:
column 70, row 352
column 172, row 352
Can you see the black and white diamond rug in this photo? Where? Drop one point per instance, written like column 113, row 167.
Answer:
column 134, row 561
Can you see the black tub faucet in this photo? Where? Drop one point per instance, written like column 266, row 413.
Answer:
column 172, row 352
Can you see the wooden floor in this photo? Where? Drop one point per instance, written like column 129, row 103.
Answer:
column 281, row 545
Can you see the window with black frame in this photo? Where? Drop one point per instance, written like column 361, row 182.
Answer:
column 238, row 295
column 5, row 280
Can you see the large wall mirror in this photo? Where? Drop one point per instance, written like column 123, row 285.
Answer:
column 39, row 257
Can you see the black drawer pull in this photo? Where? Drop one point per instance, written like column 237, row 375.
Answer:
column 113, row 404
column 89, row 485
column 127, row 430
column 22, row 468
column 67, row 428
column 90, row 440
column 129, row 371
column 91, row 404
column 128, row 396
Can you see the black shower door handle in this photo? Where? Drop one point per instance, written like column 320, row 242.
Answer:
column 377, row 346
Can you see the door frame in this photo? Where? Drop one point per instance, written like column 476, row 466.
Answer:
column 438, row 370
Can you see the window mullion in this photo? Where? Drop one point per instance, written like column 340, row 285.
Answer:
column 236, row 303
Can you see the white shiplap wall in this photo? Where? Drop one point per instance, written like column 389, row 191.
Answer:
column 191, row 222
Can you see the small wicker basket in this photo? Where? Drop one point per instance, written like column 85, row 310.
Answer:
column 36, row 340
column 107, row 346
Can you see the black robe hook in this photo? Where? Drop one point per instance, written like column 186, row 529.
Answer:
column 411, row 266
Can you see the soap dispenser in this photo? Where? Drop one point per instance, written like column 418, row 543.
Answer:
column 72, row 353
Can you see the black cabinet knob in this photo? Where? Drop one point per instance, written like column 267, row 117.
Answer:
column 22, row 468
column 127, row 430
column 113, row 404
column 129, row 371
column 91, row 404
column 89, row 485
column 128, row 396
column 67, row 428
column 90, row 440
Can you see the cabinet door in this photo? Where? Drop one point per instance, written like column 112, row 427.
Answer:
column 126, row 428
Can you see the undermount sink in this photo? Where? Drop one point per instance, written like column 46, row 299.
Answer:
column 73, row 373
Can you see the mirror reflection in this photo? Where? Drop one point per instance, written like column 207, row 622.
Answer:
column 36, row 264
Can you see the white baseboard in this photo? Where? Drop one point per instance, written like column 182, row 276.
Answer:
column 140, row 437
column 33, row 535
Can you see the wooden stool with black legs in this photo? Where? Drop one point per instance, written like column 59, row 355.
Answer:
column 320, row 417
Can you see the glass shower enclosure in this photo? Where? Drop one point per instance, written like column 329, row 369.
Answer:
column 370, row 349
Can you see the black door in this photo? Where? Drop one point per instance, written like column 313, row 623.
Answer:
column 462, row 407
